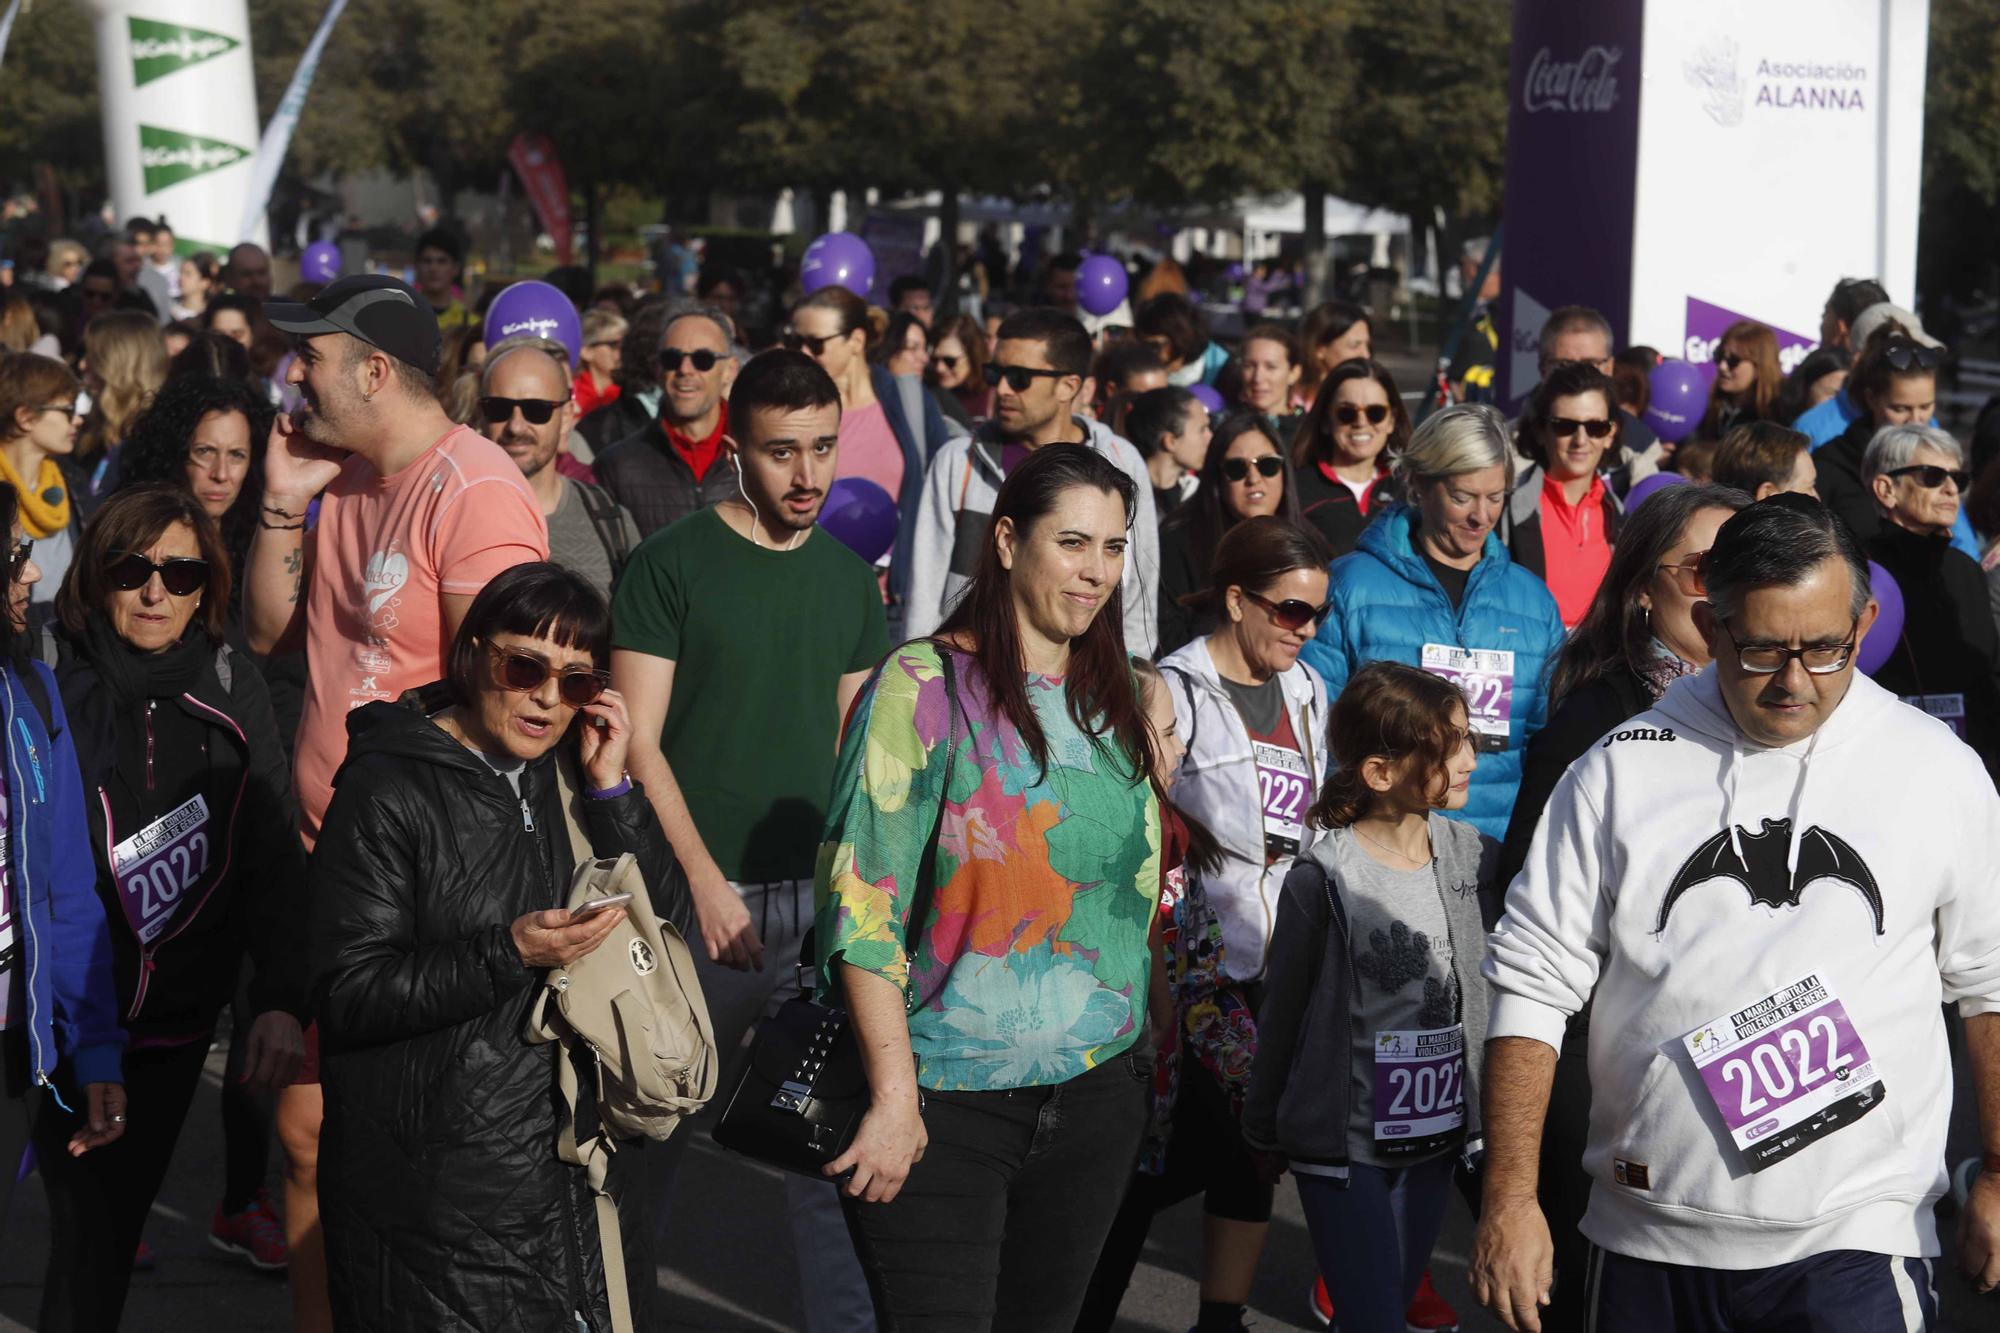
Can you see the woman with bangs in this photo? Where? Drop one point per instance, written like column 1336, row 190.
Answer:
column 1748, row 379
column 1342, row 451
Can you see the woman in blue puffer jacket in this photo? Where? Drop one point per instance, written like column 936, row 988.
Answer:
column 1429, row 584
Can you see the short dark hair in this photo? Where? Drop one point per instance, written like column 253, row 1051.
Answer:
column 538, row 600
column 903, row 286
column 440, row 238
column 712, row 276
column 131, row 520
column 1154, row 413
column 779, row 379
column 1565, row 379
column 1122, row 360
column 1061, row 335
column 248, row 307
column 1069, row 261
column 1756, row 453
column 99, row 268
column 1851, row 296
column 1570, row 319
column 1174, row 318
column 1779, row 542
column 138, row 227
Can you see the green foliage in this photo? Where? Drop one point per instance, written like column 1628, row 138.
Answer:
column 48, row 97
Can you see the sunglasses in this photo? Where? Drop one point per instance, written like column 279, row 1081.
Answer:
column 525, row 673
column 671, row 358
column 1018, row 377
column 805, row 342
column 1292, row 613
column 948, row 362
column 1347, row 414
column 1564, row 427
column 1902, row 356
column 180, row 575
column 1688, row 572
column 500, row 410
column 1237, row 469
column 1730, row 360
column 1930, row 476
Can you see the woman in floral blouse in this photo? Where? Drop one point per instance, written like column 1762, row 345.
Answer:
column 986, row 888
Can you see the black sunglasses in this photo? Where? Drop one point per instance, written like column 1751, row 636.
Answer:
column 1902, row 356
column 1292, row 613
column 1930, row 476
column 1018, row 377
column 1730, row 360
column 524, row 673
column 536, row 410
column 1348, row 414
column 948, row 362
column 1236, row 469
column 180, row 575
column 671, row 358
column 1564, row 427
column 800, row 342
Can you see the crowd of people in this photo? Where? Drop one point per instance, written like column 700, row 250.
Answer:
column 1178, row 800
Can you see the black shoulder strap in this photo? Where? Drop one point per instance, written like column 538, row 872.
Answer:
column 602, row 511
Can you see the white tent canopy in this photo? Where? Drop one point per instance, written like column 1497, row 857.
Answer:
column 1287, row 214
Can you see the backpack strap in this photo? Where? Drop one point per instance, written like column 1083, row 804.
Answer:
column 606, row 521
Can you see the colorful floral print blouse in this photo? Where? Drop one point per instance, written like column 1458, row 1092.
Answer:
column 1031, row 966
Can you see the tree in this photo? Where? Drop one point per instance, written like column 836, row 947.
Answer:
column 1961, row 178
column 48, row 99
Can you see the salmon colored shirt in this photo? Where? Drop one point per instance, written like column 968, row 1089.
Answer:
column 868, row 448
column 385, row 550
column 1576, row 548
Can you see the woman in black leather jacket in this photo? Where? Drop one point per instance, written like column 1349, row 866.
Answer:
column 436, row 889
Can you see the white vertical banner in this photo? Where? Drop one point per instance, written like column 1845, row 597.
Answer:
column 7, row 27
column 277, row 139
column 180, row 114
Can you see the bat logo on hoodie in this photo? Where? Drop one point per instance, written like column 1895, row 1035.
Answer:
column 1761, row 868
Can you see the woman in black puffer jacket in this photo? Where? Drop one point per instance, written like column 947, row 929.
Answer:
column 435, row 908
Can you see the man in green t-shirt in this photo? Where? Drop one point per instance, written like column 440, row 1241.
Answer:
column 740, row 636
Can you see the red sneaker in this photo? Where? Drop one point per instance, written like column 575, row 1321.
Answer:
column 1322, row 1304
column 253, row 1233
column 1428, row 1312
column 143, row 1259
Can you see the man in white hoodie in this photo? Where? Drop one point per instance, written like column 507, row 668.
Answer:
column 1041, row 359
column 1765, row 886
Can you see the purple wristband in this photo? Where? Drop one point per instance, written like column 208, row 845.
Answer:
column 624, row 785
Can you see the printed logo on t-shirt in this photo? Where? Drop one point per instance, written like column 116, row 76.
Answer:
column 384, row 577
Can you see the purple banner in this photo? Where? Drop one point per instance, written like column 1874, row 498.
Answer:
column 1572, row 168
column 1706, row 324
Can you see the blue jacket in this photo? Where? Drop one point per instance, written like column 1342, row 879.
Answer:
column 65, row 940
column 917, row 451
column 1387, row 605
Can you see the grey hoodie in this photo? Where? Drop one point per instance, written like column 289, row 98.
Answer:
column 959, row 489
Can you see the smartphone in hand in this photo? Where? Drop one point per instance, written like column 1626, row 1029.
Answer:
column 584, row 911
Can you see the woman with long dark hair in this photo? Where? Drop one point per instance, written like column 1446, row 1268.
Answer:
column 1244, row 476
column 1332, row 333
column 989, row 876
column 1343, row 450
column 206, row 434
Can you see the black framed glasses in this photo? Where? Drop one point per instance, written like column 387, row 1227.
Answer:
column 1564, row 427
column 1348, row 414
column 948, row 362
column 524, row 673
column 1292, row 613
column 805, row 342
column 670, row 360
column 1018, row 377
column 537, row 411
column 1768, row 659
column 1930, row 476
column 1238, row 469
column 1907, row 356
column 181, row 575
column 1689, row 573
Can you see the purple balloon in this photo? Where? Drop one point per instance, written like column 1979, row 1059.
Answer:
column 534, row 310
column 838, row 259
column 1206, row 395
column 1680, row 396
column 320, row 262
column 1644, row 488
column 861, row 517
column 1101, row 284
column 1887, row 631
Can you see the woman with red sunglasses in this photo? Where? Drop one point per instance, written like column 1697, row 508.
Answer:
column 435, row 892
column 189, row 802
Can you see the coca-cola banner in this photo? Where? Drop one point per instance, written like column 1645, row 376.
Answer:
column 541, row 172
column 1670, row 163
column 1572, row 126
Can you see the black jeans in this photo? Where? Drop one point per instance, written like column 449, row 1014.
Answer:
column 1000, row 1224
column 98, row 1202
column 18, row 1099
column 1564, row 1184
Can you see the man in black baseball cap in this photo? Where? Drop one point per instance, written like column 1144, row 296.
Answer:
column 374, row 307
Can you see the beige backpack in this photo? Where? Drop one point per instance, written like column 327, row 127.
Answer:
column 635, row 1006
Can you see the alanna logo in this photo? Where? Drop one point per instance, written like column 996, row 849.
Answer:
column 169, row 157
column 159, row 49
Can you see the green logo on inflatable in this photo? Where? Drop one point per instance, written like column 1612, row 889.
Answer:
column 170, row 157
column 158, row 49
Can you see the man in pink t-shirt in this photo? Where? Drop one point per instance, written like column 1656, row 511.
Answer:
column 417, row 515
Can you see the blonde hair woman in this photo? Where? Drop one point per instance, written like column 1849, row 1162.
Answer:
column 124, row 365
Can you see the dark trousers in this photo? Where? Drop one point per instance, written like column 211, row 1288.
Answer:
column 17, row 1110
column 98, row 1202
column 1000, row 1224
column 1373, row 1236
column 1564, row 1185
column 1841, row 1291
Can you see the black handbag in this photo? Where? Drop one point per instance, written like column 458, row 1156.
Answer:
column 797, row 1096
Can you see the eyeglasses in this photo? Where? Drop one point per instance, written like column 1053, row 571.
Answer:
column 1761, row 659
column 1730, row 360
column 671, row 358
column 1688, row 573
column 180, row 576
column 1291, row 613
column 805, row 342
column 536, row 410
column 1564, row 427
column 524, row 673
column 67, row 409
column 1018, row 377
column 1237, row 469
column 948, row 362
column 1930, row 476
column 1902, row 356
column 1348, row 414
